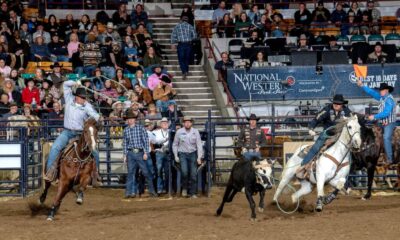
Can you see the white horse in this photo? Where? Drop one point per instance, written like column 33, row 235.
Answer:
column 333, row 165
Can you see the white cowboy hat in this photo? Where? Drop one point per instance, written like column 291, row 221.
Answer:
column 110, row 25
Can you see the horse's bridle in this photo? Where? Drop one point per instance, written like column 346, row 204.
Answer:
column 349, row 145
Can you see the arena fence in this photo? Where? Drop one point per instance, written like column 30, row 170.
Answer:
column 24, row 151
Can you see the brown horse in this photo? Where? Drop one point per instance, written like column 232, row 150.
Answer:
column 76, row 167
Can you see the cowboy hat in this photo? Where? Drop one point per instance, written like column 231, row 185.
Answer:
column 56, row 64
column 27, row 80
column 384, row 86
column 165, row 79
column 110, row 25
column 339, row 99
column 81, row 92
column 130, row 115
column 148, row 122
column 253, row 117
column 164, row 119
column 187, row 118
column 83, row 81
column 114, row 105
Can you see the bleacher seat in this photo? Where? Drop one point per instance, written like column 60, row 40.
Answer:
column 373, row 39
column 342, row 40
column 393, row 38
column 234, row 48
column 357, row 38
column 73, row 76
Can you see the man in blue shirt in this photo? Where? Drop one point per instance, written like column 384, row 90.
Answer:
column 183, row 35
column 136, row 149
column 386, row 115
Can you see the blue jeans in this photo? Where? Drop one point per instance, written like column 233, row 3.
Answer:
column 162, row 171
column 135, row 160
column 108, row 71
column 188, row 163
column 60, row 58
column 163, row 105
column 150, row 167
column 248, row 156
column 89, row 70
column 184, row 56
column 319, row 143
column 60, row 143
column 387, row 140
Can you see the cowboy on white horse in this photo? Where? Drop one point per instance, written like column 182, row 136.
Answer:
column 328, row 117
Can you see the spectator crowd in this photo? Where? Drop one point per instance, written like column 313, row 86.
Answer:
column 115, row 57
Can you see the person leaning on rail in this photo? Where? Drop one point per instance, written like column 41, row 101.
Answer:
column 251, row 139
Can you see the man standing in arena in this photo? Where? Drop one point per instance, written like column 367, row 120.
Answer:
column 386, row 115
column 251, row 138
column 77, row 111
column 136, row 149
column 161, row 148
column 183, row 35
column 188, row 150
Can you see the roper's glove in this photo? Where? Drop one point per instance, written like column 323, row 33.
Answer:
column 177, row 160
column 312, row 133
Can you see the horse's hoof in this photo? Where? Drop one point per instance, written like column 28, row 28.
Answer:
column 253, row 219
column 49, row 218
column 318, row 209
column 294, row 199
column 260, row 209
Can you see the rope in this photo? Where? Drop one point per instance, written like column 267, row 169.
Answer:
column 297, row 205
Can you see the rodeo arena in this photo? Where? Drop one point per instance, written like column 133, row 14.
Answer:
column 204, row 119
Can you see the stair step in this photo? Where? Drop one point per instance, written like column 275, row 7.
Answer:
column 197, row 108
column 202, row 101
column 162, row 30
column 191, row 84
column 192, row 90
column 191, row 78
column 176, row 68
column 193, row 96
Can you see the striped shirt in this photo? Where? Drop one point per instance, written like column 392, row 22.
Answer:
column 387, row 106
column 183, row 32
column 75, row 114
column 135, row 137
column 187, row 142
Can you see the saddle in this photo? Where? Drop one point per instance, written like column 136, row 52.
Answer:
column 304, row 171
column 53, row 172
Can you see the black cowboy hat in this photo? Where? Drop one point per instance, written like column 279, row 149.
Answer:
column 384, row 86
column 339, row 99
column 130, row 115
column 165, row 79
column 83, row 81
column 49, row 82
column 253, row 117
column 29, row 80
column 56, row 64
column 81, row 92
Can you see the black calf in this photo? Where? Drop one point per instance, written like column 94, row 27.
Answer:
column 244, row 174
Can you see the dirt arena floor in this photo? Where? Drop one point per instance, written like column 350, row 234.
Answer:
column 105, row 215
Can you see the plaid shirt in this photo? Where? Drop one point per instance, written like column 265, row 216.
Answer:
column 135, row 137
column 183, row 32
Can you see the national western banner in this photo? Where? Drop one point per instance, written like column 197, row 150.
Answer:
column 304, row 83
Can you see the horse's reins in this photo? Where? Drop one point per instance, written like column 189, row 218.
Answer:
column 79, row 160
column 339, row 164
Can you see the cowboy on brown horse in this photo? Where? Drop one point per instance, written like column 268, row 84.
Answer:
column 77, row 110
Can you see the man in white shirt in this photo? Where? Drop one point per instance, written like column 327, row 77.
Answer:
column 161, row 148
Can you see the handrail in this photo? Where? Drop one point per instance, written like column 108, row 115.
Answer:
column 228, row 93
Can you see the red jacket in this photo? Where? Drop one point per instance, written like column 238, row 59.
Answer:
column 28, row 95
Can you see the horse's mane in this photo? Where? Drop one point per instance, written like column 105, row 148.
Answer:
column 337, row 129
